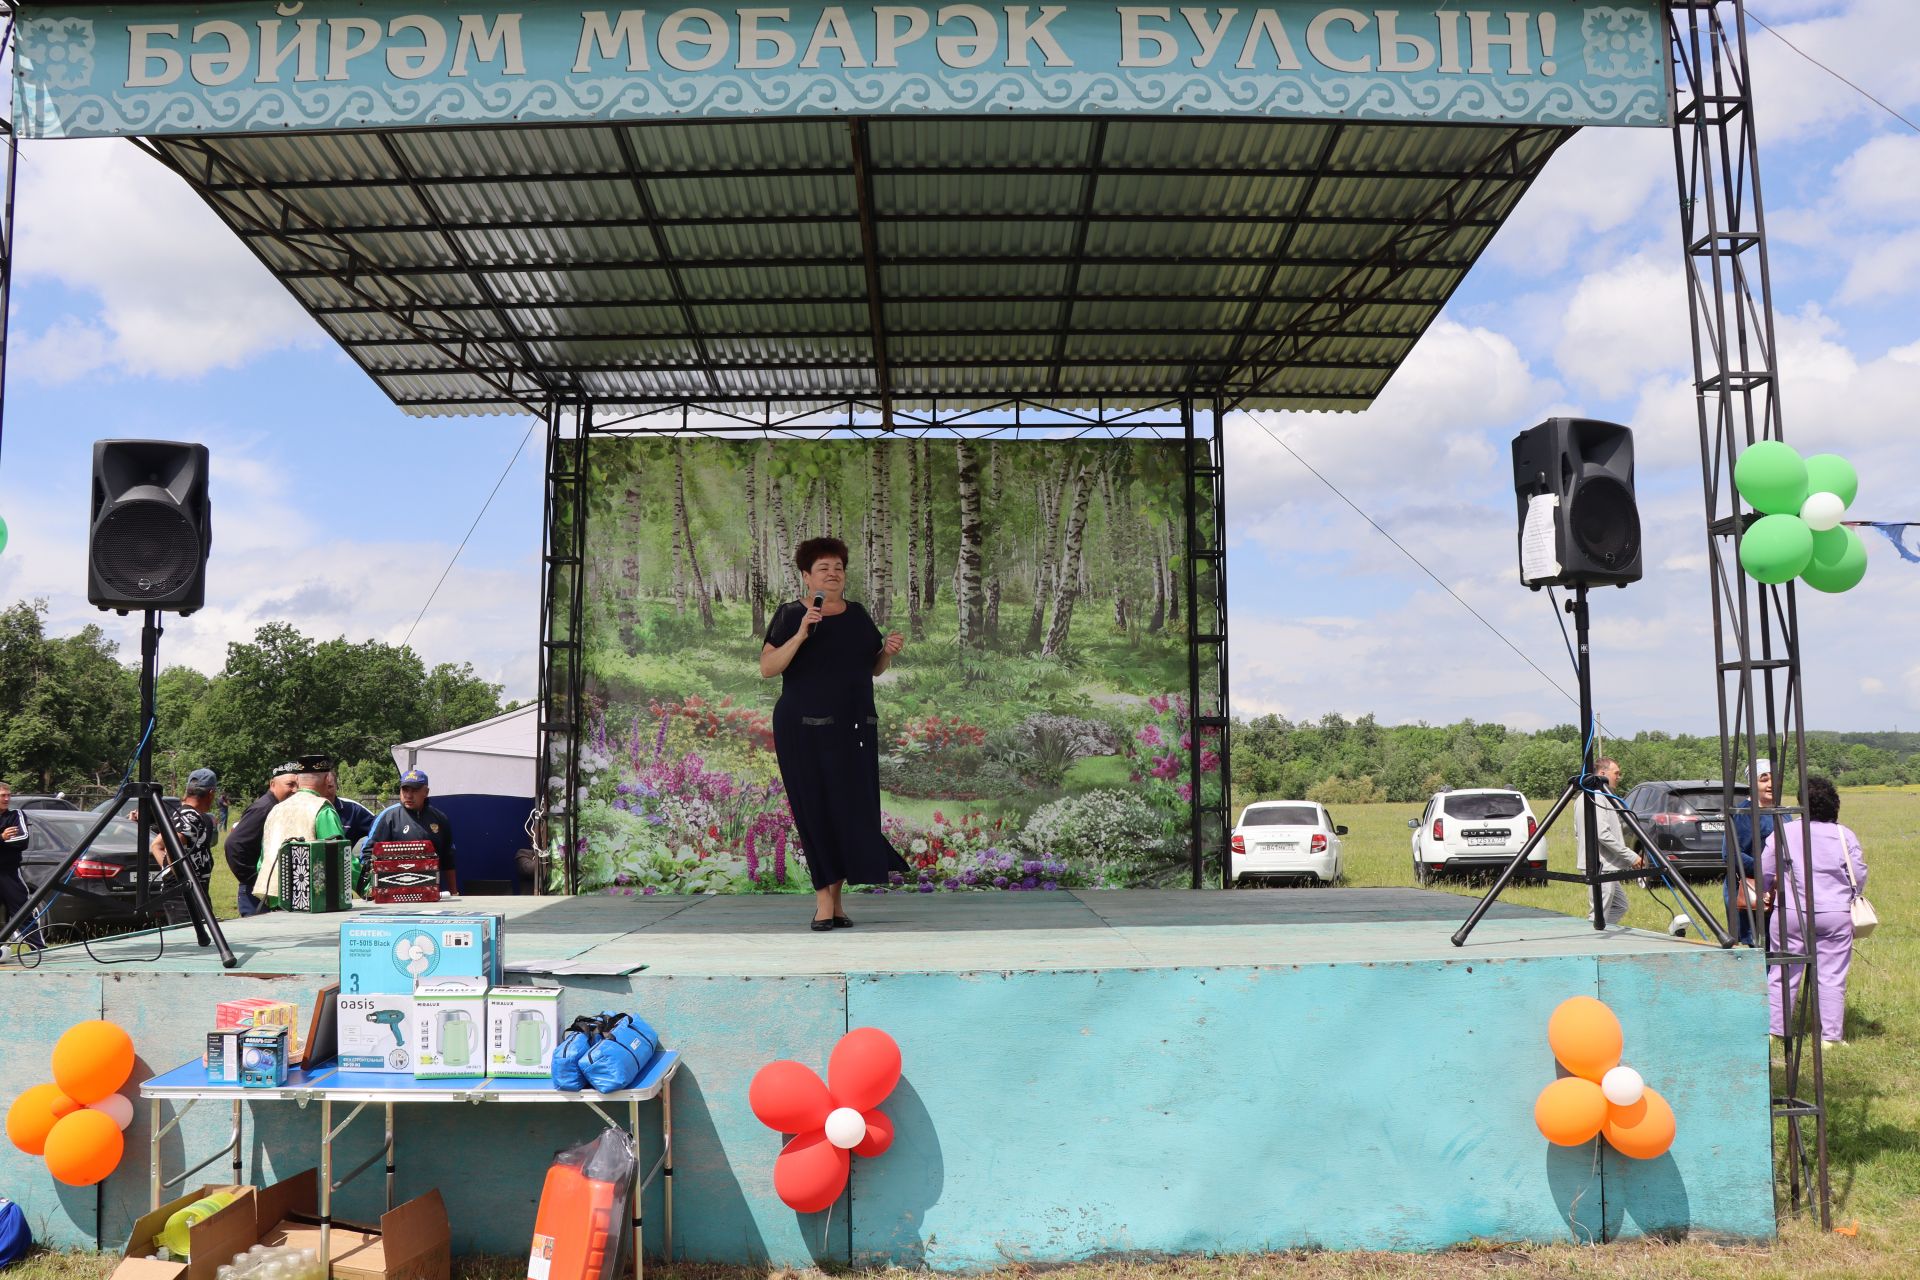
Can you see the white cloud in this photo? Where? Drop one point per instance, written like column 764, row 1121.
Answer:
column 1859, row 41
column 1888, row 268
column 178, row 293
column 1599, row 182
column 1882, row 179
column 1624, row 322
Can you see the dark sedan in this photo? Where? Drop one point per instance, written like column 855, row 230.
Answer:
column 1686, row 822
column 107, row 868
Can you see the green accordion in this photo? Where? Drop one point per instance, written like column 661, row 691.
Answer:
column 314, row 875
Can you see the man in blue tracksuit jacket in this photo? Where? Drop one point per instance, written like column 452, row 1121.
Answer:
column 1743, row 835
column 414, row 819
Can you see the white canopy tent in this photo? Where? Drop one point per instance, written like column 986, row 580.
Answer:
column 482, row 777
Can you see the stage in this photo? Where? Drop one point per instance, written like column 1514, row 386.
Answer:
column 1086, row 1073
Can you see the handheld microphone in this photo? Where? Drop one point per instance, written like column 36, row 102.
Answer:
column 819, row 598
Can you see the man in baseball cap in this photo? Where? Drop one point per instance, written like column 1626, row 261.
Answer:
column 195, row 830
column 414, row 819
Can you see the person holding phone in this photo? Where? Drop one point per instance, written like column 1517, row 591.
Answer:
column 827, row 650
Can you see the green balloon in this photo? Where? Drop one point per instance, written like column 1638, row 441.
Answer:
column 1839, row 561
column 1831, row 473
column 1772, row 478
column 3, row 535
column 1776, row 548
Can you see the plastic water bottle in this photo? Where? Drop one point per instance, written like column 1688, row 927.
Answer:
column 174, row 1236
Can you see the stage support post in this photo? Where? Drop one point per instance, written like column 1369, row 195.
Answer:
column 1761, row 697
column 1203, row 494
column 562, row 598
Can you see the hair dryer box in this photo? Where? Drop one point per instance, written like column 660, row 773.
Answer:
column 449, row 1029
column 370, row 1032
column 523, row 1026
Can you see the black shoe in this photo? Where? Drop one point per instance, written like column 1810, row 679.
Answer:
column 841, row 922
column 822, row 926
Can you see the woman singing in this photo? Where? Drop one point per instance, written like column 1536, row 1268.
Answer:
column 827, row 651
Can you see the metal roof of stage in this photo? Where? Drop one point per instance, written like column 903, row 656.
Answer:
column 887, row 260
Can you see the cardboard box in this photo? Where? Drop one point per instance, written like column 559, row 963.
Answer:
column 223, row 1056
column 413, row 1242
column 382, row 955
column 370, row 1032
column 256, row 1012
column 523, row 1026
column 449, row 1039
column 264, row 1055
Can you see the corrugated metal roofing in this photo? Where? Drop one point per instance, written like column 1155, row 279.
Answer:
column 1272, row 263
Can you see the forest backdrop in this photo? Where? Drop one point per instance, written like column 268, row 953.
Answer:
column 1031, row 733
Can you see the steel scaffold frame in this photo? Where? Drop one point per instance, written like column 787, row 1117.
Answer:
column 1758, row 680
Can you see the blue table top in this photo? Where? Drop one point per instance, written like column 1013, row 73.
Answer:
column 189, row 1081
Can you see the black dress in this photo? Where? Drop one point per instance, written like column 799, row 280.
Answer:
column 826, row 736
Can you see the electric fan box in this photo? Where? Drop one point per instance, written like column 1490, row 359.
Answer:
column 383, row 954
column 449, row 1039
column 523, row 1026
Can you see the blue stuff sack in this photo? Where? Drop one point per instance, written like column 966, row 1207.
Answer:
column 620, row 1053
column 15, row 1240
column 572, row 1050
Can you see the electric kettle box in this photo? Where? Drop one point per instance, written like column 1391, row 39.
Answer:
column 449, row 1029
column 523, row 1025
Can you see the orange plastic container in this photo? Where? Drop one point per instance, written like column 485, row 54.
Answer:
column 576, row 1234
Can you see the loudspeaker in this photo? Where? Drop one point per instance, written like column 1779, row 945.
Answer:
column 1582, row 472
column 152, row 526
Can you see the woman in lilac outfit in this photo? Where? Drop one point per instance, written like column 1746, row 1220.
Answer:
column 1835, row 848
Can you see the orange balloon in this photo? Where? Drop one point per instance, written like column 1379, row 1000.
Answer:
column 33, row 1114
column 1570, row 1111
column 92, row 1060
column 1585, row 1036
column 1642, row 1131
column 84, row 1148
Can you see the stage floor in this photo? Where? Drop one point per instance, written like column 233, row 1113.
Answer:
column 1086, row 1073
column 737, row 936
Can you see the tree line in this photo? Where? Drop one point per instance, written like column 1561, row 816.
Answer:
column 1016, row 536
column 73, row 706
column 1339, row 761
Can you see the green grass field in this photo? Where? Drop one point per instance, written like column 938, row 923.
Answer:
column 1873, row 1092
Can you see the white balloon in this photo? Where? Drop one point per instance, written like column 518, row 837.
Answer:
column 1822, row 511
column 1623, row 1086
column 846, row 1127
column 118, row 1106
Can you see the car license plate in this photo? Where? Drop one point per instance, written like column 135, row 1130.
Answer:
column 1476, row 842
column 1712, row 828
column 1282, row 847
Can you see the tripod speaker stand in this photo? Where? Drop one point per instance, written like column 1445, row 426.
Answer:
column 1580, row 788
column 152, row 817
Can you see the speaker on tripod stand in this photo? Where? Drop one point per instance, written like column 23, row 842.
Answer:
column 1580, row 528
column 147, row 545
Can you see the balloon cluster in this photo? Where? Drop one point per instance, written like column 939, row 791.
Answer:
column 77, row 1121
column 1601, row 1096
column 829, row 1121
column 1799, row 534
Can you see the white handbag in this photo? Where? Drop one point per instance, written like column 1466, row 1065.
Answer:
column 1865, row 918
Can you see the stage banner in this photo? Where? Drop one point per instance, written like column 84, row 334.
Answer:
column 146, row 69
column 1033, row 730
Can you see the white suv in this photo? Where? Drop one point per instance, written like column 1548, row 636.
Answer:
column 1472, row 831
column 1286, row 840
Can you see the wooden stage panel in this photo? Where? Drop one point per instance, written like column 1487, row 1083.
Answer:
column 1086, row 1073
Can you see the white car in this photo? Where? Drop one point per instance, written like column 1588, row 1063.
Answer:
column 1474, row 831
column 1286, row 840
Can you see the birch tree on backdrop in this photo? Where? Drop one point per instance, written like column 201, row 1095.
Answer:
column 685, row 528
column 999, row 547
column 929, row 580
column 972, row 632
column 1066, row 585
column 881, row 508
column 916, row 613
column 756, row 566
column 1045, row 566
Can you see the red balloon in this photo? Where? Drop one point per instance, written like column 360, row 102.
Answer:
column 810, row 1173
column 879, row 1135
column 864, row 1068
column 788, row 1097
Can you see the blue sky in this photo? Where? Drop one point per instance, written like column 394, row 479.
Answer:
column 137, row 314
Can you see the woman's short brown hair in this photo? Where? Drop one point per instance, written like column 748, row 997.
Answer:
column 819, row 548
